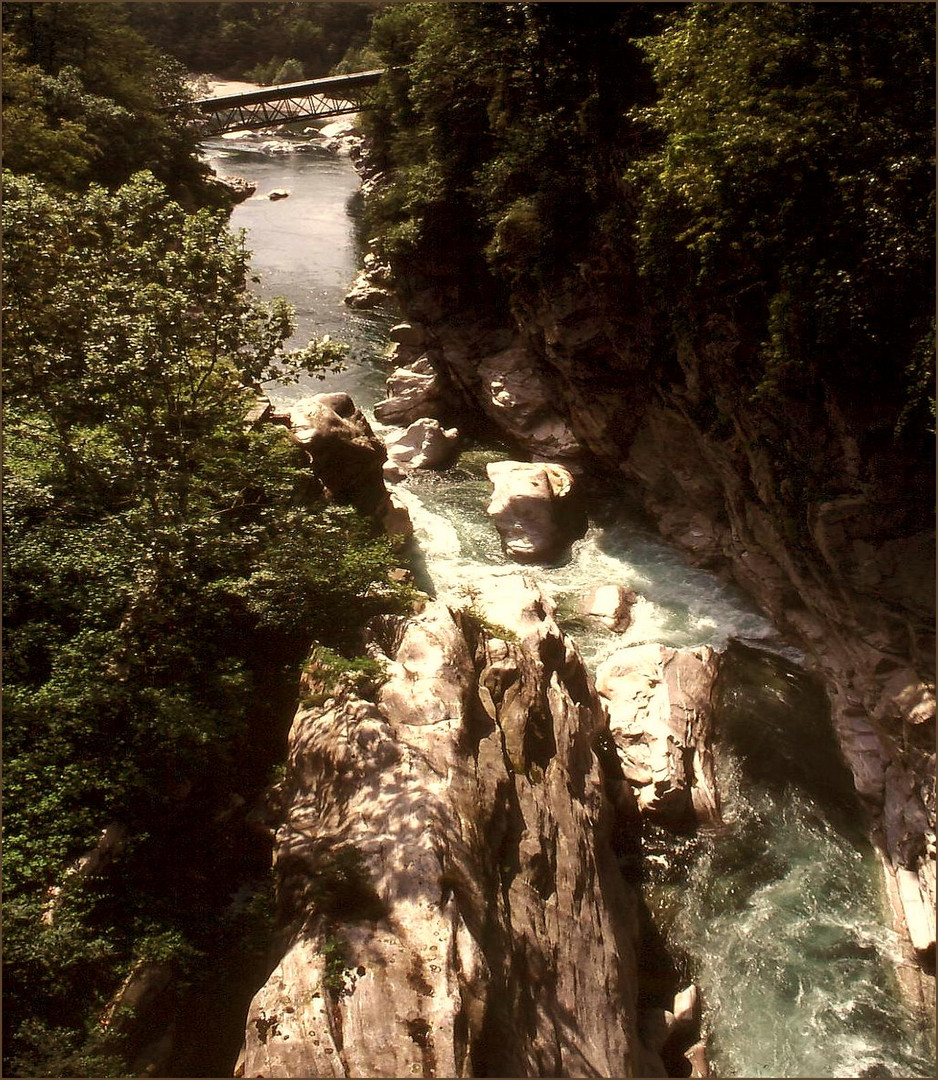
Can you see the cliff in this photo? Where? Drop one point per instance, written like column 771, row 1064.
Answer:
column 846, row 573
column 448, row 886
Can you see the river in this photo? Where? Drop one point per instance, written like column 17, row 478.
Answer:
column 779, row 917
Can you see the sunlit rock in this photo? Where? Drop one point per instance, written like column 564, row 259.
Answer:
column 445, row 867
column 424, row 445
column 612, row 606
column 659, row 703
column 414, row 392
column 533, row 508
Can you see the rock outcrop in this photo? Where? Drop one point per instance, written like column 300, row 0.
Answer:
column 347, row 456
column 414, row 392
column 612, row 606
column 660, row 707
column 533, row 508
column 426, row 444
column 447, row 879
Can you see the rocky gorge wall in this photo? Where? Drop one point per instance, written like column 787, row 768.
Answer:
column 447, row 874
column 847, row 574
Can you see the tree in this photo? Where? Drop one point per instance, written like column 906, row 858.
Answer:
column 153, row 548
column 86, row 99
column 794, row 190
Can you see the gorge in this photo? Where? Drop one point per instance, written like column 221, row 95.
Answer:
column 515, row 659
column 758, row 869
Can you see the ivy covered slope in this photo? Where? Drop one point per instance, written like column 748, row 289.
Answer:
column 165, row 565
column 710, row 227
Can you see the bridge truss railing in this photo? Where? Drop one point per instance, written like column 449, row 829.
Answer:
column 335, row 96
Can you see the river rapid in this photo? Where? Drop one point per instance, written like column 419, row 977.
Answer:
column 779, row 917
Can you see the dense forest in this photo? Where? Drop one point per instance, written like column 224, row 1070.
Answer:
column 749, row 183
column 165, row 567
column 755, row 164
column 264, row 42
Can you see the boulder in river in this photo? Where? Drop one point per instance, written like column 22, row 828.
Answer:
column 409, row 334
column 612, row 605
column 278, row 193
column 426, row 444
column 414, row 392
column 533, row 508
column 659, row 704
column 445, row 868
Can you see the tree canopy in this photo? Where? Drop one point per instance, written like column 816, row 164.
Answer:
column 86, row 99
column 166, row 564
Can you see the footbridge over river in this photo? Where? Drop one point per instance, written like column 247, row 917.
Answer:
column 334, row 96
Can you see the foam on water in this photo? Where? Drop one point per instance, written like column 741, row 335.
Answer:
column 678, row 605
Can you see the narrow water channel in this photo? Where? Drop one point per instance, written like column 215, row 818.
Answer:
column 779, row 917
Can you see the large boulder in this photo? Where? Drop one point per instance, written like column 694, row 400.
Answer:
column 660, row 709
column 534, row 508
column 450, row 901
column 345, row 453
column 426, row 444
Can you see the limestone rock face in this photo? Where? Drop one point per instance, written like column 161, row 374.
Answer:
column 659, row 703
column 447, row 884
column 531, row 508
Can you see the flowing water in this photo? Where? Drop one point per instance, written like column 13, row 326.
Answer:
column 780, row 916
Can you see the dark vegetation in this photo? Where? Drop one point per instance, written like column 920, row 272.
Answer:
column 84, row 101
column 165, row 566
column 262, row 42
column 757, row 180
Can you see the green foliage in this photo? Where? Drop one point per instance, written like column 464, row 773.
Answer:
column 241, row 40
column 749, row 186
column 336, row 955
column 491, row 134
column 794, row 188
column 326, row 669
column 154, row 545
column 276, row 71
column 86, row 99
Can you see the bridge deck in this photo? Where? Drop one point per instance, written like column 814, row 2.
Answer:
column 332, row 96
column 334, row 86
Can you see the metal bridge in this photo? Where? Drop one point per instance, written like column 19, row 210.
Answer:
column 333, row 96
